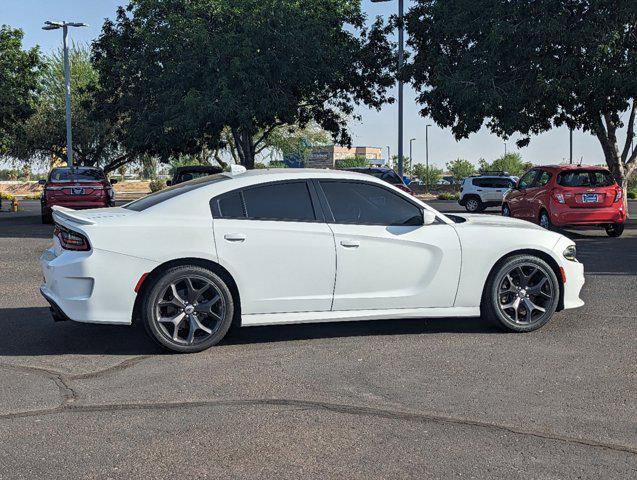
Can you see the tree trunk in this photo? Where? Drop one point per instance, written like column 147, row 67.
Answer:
column 244, row 143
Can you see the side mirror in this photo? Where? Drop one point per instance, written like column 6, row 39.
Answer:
column 428, row 217
column 169, row 183
column 41, row 182
column 113, row 181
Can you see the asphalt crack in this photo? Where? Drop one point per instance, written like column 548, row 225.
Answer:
column 346, row 409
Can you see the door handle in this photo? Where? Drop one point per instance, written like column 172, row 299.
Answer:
column 478, row 190
column 350, row 243
column 235, row 237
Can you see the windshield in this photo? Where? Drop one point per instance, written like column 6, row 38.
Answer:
column 171, row 192
column 76, row 174
column 585, row 178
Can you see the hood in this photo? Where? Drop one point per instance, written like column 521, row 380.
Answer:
column 496, row 221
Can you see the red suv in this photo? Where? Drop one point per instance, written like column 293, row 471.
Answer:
column 77, row 187
column 568, row 195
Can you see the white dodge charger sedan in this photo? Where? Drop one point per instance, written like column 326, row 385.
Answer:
column 270, row 247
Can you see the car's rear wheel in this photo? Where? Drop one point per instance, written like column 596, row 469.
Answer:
column 187, row 309
column 614, row 229
column 521, row 294
column 473, row 204
column 544, row 220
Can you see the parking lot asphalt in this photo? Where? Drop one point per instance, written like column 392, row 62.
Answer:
column 386, row 399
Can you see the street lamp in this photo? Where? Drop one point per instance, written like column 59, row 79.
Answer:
column 411, row 157
column 400, row 82
column 427, row 155
column 390, row 164
column 67, row 80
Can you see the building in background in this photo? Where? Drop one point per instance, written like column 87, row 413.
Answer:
column 328, row 156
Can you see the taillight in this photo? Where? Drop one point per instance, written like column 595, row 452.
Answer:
column 559, row 197
column 71, row 240
column 618, row 195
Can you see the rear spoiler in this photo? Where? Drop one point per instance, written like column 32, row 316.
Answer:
column 70, row 215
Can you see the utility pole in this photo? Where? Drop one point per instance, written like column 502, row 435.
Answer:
column 390, row 164
column 570, row 145
column 411, row 157
column 67, row 81
column 427, row 156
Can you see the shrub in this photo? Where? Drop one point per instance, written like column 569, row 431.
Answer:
column 448, row 196
column 6, row 196
column 632, row 194
column 352, row 162
column 156, row 185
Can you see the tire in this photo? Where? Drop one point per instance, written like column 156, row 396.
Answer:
column 517, row 285
column 614, row 229
column 47, row 218
column 506, row 211
column 544, row 220
column 473, row 204
column 194, row 319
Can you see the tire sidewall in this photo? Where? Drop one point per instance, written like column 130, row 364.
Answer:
column 477, row 202
column 549, row 225
column 157, row 288
column 493, row 294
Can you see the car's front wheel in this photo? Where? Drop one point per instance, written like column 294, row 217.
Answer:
column 521, row 294
column 187, row 309
column 506, row 211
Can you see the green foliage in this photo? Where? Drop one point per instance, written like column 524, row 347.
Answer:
column 9, row 174
column 525, row 66
column 352, row 162
column 448, row 196
column 156, row 185
column 179, row 73
column 429, row 176
column 511, row 163
column 461, row 168
column 44, row 132
column 277, row 164
column 407, row 167
column 632, row 194
column 19, row 72
column 185, row 161
column 294, row 142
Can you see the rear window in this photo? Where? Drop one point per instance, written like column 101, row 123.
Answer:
column 585, row 178
column 279, row 201
column 76, row 174
column 172, row 192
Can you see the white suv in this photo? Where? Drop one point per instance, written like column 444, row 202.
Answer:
column 478, row 193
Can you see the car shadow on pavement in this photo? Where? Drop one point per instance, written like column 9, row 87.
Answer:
column 23, row 227
column 34, row 333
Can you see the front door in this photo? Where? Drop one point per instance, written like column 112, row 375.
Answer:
column 386, row 257
column 518, row 203
column 278, row 249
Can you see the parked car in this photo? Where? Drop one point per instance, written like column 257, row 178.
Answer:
column 77, row 187
column 271, row 247
column 385, row 174
column 483, row 191
column 184, row 174
column 562, row 195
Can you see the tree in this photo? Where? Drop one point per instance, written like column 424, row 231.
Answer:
column 529, row 65
column 461, row 169
column 19, row 71
column 44, row 133
column 178, row 73
column 407, row 166
column 429, row 175
column 510, row 163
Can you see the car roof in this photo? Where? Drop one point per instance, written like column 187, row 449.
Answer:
column 199, row 168
column 559, row 168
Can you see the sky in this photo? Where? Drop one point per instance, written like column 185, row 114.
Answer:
column 375, row 128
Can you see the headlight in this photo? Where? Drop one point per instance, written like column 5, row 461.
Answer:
column 571, row 253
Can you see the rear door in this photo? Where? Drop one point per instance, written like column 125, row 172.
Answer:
column 386, row 257
column 273, row 239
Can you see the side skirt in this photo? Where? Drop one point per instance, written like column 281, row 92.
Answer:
column 257, row 319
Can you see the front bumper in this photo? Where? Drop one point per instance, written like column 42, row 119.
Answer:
column 94, row 287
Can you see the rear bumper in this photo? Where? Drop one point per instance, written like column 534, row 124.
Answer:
column 93, row 287
column 588, row 216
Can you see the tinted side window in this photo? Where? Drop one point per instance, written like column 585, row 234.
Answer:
column 230, row 205
column 502, row 183
column 279, row 201
column 367, row 204
column 527, row 179
column 542, row 179
column 483, row 182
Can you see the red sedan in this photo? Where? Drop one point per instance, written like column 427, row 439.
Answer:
column 565, row 195
column 78, row 187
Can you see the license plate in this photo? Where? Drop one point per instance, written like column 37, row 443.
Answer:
column 589, row 198
column 77, row 191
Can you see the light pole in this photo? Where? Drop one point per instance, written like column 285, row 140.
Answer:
column 411, row 157
column 67, row 80
column 427, row 156
column 570, row 146
column 390, row 164
column 505, row 149
column 401, row 32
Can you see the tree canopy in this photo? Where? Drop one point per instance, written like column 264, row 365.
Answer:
column 176, row 73
column 461, row 168
column 511, row 163
column 19, row 84
column 528, row 65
